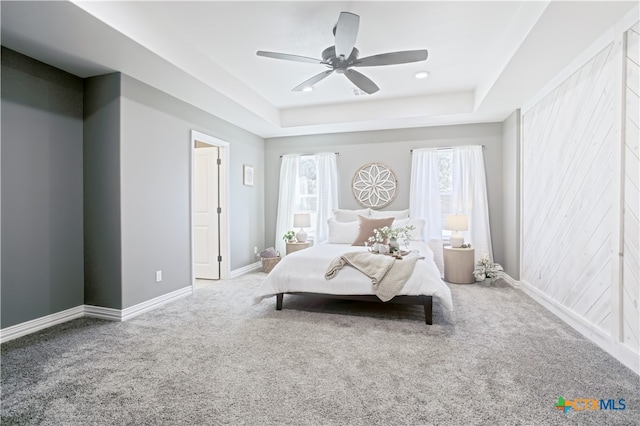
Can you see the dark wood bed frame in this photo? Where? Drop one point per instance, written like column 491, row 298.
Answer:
column 426, row 301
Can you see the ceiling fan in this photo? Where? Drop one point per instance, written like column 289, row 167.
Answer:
column 344, row 55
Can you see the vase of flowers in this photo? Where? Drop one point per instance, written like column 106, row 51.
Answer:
column 485, row 268
column 389, row 237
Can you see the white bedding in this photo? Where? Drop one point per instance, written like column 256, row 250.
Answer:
column 304, row 271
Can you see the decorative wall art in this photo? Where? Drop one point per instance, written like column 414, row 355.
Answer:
column 374, row 185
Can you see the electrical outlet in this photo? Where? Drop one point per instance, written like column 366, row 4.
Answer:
column 255, row 250
column 158, row 276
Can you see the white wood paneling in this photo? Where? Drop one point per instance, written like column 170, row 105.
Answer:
column 580, row 180
column 631, row 205
column 569, row 215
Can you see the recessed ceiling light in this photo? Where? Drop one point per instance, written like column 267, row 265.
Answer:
column 422, row 74
column 307, row 89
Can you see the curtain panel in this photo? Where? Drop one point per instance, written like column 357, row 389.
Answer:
column 424, row 199
column 327, row 184
column 289, row 195
column 469, row 196
column 288, row 198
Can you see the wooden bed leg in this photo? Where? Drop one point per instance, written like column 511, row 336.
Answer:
column 428, row 310
column 279, row 297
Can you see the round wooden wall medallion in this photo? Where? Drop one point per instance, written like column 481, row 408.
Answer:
column 374, row 185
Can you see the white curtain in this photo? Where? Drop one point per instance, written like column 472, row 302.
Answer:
column 327, row 185
column 424, row 199
column 469, row 196
column 288, row 199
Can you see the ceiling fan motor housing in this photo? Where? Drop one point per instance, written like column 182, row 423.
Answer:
column 338, row 64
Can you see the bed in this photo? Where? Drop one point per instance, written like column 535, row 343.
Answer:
column 303, row 273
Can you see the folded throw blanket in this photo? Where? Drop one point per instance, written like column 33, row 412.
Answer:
column 387, row 274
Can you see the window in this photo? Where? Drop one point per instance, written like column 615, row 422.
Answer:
column 308, row 190
column 445, row 161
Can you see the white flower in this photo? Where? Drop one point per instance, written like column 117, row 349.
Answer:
column 487, row 269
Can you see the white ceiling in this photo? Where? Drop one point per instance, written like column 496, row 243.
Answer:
column 485, row 58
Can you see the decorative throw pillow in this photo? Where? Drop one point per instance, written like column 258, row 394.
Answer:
column 366, row 227
column 396, row 214
column 341, row 215
column 342, row 232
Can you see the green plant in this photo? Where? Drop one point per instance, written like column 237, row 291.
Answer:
column 289, row 236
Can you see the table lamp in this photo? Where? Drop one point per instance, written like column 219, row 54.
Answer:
column 301, row 220
column 456, row 223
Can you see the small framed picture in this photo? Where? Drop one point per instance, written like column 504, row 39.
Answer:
column 247, row 175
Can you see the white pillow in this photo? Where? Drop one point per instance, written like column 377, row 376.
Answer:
column 396, row 214
column 341, row 215
column 342, row 232
column 416, row 234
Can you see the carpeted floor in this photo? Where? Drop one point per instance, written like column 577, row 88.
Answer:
column 215, row 358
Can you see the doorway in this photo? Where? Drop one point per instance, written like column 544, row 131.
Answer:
column 209, row 219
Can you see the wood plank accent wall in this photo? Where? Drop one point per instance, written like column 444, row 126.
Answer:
column 580, row 196
column 569, row 212
column 631, row 184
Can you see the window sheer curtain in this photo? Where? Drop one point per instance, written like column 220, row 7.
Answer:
column 424, row 199
column 289, row 195
column 288, row 199
column 327, row 184
column 469, row 196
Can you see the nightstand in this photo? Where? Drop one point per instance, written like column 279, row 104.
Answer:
column 459, row 264
column 293, row 247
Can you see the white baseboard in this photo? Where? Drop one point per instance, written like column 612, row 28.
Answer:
column 607, row 342
column 509, row 279
column 245, row 269
column 100, row 312
column 38, row 324
column 133, row 311
column 143, row 307
column 90, row 311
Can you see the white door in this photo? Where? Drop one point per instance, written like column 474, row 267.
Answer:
column 206, row 232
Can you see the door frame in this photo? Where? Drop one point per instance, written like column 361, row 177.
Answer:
column 224, row 201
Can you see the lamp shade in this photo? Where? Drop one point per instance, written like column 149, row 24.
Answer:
column 301, row 220
column 456, row 222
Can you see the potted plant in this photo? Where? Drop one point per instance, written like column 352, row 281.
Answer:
column 289, row 236
column 487, row 269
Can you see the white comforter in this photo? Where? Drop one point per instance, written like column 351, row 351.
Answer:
column 304, row 271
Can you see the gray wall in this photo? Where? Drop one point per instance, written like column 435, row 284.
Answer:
column 133, row 144
column 148, row 134
column 42, row 220
column 391, row 147
column 102, row 227
column 511, row 194
column 155, row 172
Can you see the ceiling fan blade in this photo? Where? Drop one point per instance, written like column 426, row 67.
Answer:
column 288, row 57
column 363, row 82
column 313, row 80
column 346, row 32
column 392, row 58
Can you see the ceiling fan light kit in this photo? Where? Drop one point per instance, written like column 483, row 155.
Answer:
column 341, row 57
